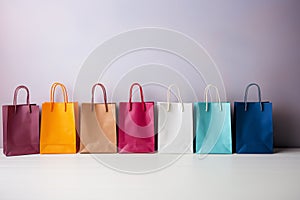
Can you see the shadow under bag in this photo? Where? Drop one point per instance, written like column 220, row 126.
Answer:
column 20, row 127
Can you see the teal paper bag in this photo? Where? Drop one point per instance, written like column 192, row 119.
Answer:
column 212, row 126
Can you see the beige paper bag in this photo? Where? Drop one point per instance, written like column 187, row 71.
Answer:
column 98, row 126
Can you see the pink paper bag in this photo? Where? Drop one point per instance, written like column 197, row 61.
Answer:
column 136, row 125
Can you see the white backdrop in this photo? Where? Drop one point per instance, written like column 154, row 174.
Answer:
column 250, row 41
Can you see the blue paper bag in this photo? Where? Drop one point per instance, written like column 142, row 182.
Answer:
column 253, row 124
column 212, row 126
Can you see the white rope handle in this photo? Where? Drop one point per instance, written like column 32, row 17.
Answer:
column 218, row 96
column 178, row 96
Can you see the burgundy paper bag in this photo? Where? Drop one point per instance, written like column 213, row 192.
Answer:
column 20, row 127
column 136, row 125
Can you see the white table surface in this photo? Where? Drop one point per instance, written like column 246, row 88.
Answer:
column 275, row 176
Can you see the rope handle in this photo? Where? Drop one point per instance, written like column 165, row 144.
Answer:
column 52, row 91
column 206, row 98
column 178, row 96
column 104, row 95
column 246, row 96
column 15, row 100
column 141, row 93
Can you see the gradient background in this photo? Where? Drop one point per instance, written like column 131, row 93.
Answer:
column 251, row 41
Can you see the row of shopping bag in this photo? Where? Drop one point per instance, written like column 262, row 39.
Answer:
column 201, row 127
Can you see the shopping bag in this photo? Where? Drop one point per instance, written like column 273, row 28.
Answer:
column 98, row 133
column 175, row 125
column 253, row 125
column 59, row 125
column 136, row 125
column 20, row 127
column 212, row 126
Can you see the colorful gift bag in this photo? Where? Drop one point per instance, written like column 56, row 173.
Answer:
column 175, row 125
column 136, row 125
column 98, row 132
column 20, row 127
column 212, row 126
column 254, row 126
column 59, row 125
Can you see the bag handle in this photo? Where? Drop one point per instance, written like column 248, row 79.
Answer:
column 16, row 96
column 130, row 96
column 52, row 91
column 206, row 98
column 259, row 95
column 178, row 96
column 104, row 95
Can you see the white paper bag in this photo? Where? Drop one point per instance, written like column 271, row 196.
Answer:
column 175, row 125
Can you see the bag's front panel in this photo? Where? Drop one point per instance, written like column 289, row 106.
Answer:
column 98, row 127
column 89, row 130
column 136, row 128
column 107, row 124
column 175, row 128
column 224, row 141
column 22, row 130
column 213, row 128
column 58, row 129
column 254, row 128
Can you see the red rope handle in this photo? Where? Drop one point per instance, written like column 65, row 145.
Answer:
column 16, row 96
column 130, row 96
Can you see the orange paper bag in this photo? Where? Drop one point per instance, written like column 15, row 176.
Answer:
column 59, row 125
